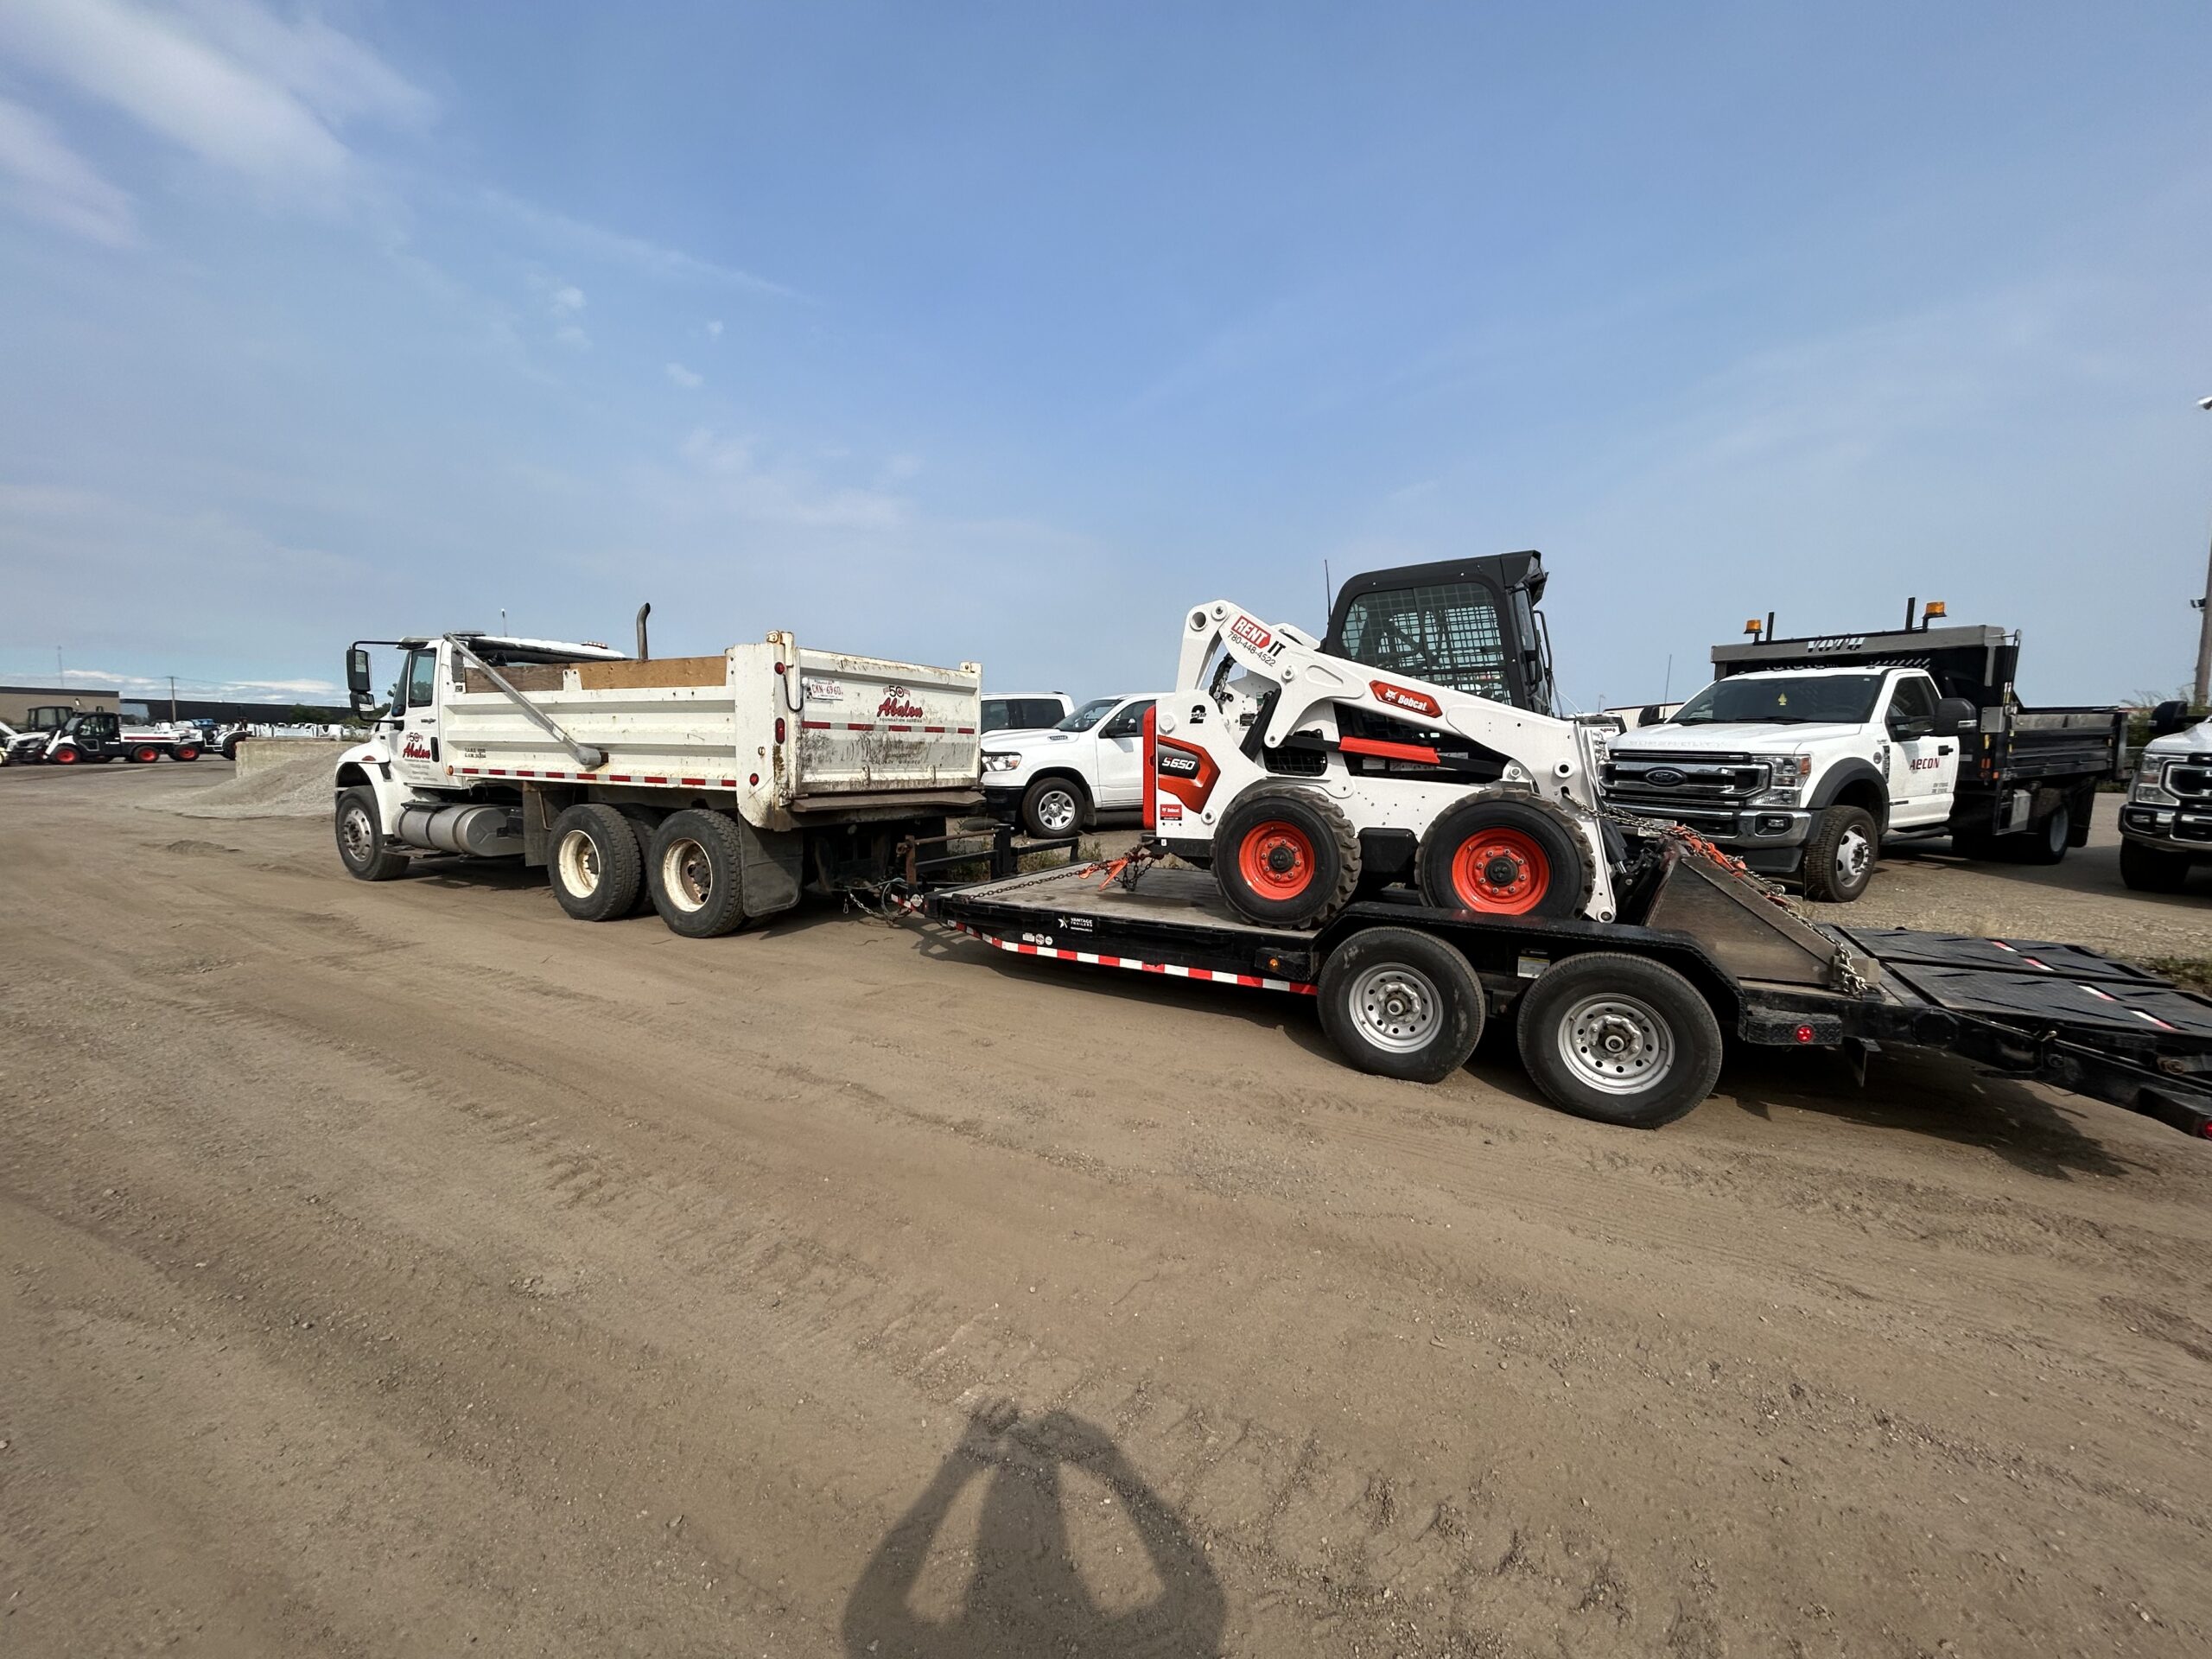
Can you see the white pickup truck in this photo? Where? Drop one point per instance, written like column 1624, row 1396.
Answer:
column 1806, row 753
column 2165, row 828
column 719, row 787
column 1055, row 781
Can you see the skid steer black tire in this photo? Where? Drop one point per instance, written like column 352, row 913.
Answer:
column 1285, row 855
column 693, row 870
column 594, row 863
column 1618, row 1039
column 1401, row 1004
column 1505, row 855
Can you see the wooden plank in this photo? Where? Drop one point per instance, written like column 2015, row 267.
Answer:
column 523, row 676
column 658, row 670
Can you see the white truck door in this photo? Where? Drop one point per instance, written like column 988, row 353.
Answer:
column 1923, row 766
column 417, row 759
column 1121, row 755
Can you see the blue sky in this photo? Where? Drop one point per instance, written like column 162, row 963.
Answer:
column 1009, row 332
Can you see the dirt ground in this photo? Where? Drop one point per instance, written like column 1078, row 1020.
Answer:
column 407, row 1269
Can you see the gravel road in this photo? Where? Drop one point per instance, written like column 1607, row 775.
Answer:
column 407, row 1269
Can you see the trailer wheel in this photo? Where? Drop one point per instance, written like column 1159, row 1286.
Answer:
column 2152, row 869
column 1619, row 1039
column 1504, row 857
column 693, row 872
column 595, row 866
column 1839, row 858
column 1401, row 1004
column 361, row 845
column 1285, row 855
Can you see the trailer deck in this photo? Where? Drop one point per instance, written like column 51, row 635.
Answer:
column 2034, row 1009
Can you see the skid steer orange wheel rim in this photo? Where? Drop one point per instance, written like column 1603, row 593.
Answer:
column 1276, row 859
column 1503, row 872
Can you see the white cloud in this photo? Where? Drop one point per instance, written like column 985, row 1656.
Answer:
column 686, row 378
column 715, row 329
column 143, row 685
column 566, row 298
column 225, row 80
column 45, row 179
column 728, row 478
column 613, row 247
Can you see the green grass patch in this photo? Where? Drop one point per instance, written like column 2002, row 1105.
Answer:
column 2190, row 973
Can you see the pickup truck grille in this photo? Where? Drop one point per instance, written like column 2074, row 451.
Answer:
column 2193, row 782
column 1662, row 782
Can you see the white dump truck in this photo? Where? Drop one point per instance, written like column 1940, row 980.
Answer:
column 718, row 787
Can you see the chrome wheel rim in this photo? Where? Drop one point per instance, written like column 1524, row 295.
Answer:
column 687, row 875
column 1395, row 1007
column 1616, row 1044
column 1854, row 856
column 360, row 834
column 580, row 863
column 1056, row 811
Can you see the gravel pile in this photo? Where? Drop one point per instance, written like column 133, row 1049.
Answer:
column 295, row 788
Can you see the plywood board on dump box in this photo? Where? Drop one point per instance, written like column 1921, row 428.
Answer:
column 654, row 671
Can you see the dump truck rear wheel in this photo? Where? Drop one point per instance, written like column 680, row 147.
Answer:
column 693, row 870
column 1619, row 1039
column 1401, row 1004
column 594, row 863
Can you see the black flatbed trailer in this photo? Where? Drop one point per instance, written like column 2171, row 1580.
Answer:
column 2044, row 1012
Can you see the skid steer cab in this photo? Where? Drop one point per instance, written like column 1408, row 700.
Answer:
column 1416, row 748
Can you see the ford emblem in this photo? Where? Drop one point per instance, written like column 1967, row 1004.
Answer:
column 1665, row 776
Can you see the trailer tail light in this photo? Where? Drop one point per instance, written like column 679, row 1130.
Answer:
column 753, row 778
column 1804, row 1033
column 780, row 728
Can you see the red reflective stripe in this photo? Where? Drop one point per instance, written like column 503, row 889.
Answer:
column 520, row 773
column 653, row 780
column 495, row 772
column 858, row 726
column 813, row 725
column 899, row 729
column 1388, row 751
column 936, row 729
column 692, row 782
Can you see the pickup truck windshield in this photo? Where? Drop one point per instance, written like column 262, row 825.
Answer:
column 1089, row 715
column 1791, row 700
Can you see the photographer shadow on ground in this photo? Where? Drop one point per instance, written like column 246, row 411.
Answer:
column 1026, row 1593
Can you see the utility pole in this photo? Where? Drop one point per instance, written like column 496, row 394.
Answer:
column 172, row 699
column 2203, row 691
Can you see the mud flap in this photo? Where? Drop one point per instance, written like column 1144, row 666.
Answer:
column 770, row 867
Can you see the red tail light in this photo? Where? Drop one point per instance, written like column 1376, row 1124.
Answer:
column 780, row 728
column 1804, row 1033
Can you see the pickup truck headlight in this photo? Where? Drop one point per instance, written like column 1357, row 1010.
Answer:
column 2149, row 788
column 1000, row 760
column 1785, row 775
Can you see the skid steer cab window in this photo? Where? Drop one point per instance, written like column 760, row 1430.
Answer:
column 1448, row 635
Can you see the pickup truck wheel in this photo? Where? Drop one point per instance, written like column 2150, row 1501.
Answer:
column 1504, row 858
column 367, row 856
column 692, row 869
column 2047, row 840
column 2153, row 869
column 1286, row 856
column 1619, row 1039
column 1401, row 1004
column 595, row 867
column 1839, row 858
column 1053, row 807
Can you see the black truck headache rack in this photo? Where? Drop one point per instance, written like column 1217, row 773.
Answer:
column 2055, row 1013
